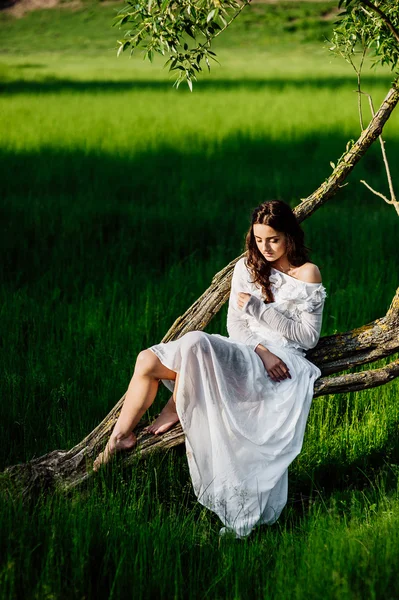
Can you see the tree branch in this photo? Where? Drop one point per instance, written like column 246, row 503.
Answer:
column 353, row 382
column 350, row 158
column 386, row 164
column 66, row 470
column 361, row 345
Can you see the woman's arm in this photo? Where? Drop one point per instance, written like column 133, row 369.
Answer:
column 237, row 328
column 305, row 332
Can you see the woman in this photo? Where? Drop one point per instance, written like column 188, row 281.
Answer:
column 243, row 401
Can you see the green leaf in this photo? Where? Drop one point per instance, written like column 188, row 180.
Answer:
column 211, row 15
column 215, row 25
column 187, row 29
column 120, row 50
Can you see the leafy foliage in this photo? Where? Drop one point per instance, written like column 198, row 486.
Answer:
column 368, row 25
column 185, row 29
column 166, row 26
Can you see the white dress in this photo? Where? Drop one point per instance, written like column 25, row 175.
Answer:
column 242, row 430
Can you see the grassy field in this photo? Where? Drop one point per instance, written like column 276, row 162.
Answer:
column 120, row 199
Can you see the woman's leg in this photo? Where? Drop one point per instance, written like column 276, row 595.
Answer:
column 140, row 395
column 168, row 416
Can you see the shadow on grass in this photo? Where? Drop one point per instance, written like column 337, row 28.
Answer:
column 53, row 85
column 360, row 474
column 59, row 208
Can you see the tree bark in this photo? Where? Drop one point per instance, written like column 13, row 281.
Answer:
column 64, row 470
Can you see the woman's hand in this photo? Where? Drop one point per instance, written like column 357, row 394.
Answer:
column 242, row 299
column 275, row 367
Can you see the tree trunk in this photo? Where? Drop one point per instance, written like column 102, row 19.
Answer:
column 63, row 470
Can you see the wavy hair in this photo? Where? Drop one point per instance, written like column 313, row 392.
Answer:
column 279, row 215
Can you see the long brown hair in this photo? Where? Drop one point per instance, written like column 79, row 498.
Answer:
column 276, row 214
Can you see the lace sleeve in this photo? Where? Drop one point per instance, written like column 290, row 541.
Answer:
column 236, row 326
column 306, row 331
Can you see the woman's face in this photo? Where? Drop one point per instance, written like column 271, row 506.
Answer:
column 271, row 243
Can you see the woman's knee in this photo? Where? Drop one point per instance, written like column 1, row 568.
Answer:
column 146, row 362
column 194, row 339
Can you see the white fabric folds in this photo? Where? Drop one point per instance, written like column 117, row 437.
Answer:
column 242, row 430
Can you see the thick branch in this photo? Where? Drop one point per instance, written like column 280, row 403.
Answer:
column 361, row 345
column 66, row 470
column 353, row 382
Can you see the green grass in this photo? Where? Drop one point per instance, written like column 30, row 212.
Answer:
column 120, row 199
column 132, row 537
column 88, row 27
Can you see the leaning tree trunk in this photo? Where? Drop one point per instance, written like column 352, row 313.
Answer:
column 65, row 469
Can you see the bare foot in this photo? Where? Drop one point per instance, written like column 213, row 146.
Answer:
column 114, row 445
column 165, row 420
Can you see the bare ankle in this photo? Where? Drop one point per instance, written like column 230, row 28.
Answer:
column 121, row 435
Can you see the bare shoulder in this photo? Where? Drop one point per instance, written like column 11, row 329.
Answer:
column 309, row 272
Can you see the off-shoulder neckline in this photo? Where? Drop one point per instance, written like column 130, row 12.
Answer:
column 296, row 279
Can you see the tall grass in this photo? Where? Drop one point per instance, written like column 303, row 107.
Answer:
column 120, row 199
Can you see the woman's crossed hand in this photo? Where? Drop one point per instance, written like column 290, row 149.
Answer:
column 275, row 367
column 242, row 299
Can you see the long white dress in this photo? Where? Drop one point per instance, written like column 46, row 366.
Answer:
column 242, row 430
